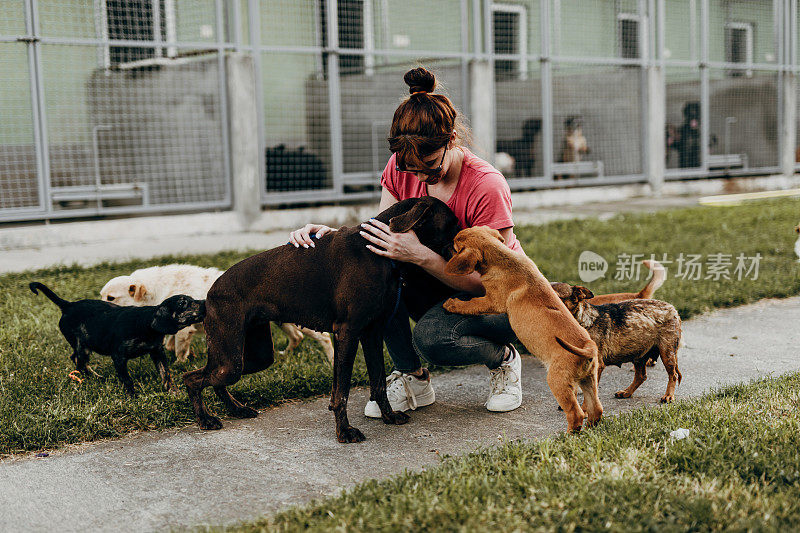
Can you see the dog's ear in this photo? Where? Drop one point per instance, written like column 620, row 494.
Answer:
column 163, row 322
column 563, row 290
column 463, row 263
column 137, row 291
column 406, row 221
column 581, row 293
column 496, row 234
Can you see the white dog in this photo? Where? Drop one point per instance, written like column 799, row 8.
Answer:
column 797, row 243
column 153, row 285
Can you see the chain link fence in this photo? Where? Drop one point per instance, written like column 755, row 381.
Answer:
column 121, row 106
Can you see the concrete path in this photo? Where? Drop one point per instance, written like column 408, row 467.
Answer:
column 289, row 455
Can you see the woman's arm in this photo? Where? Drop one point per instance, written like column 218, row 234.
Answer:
column 387, row 200
column 434, row 265
column 406, row 247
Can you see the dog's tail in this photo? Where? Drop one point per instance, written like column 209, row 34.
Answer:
column 589, row 352
column 47, row 292
column 656, row 281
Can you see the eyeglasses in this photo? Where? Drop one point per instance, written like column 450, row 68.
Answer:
column 427, row 172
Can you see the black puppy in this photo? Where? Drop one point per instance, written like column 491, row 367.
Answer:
column 123, row 332
column 337, row 286
column 523, row 150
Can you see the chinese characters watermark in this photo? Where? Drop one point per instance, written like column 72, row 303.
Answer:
column 687, row 266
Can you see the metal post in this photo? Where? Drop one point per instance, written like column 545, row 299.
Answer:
column 643, row 28
column 655, row 107
column 482, row 89
column 155, row 8
column 32, row 79
column 254, row 31
column 223, row 99
column 334, row 96
column 705, row 93
column 693, row 55
column 482, row 105
column 779, row 11
column 245, row 147
column 476, row 27
column 233, row 21
column 38, row 104
column 466, row 94
column 547, row 92
column 792, row 33
column 788, row 87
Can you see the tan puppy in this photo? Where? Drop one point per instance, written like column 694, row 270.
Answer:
column 539, row 318
column 574, row 146
column 153, row 285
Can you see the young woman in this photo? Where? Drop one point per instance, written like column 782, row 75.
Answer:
column 428, row 159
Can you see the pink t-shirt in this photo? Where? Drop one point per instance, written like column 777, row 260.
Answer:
column 481, row 198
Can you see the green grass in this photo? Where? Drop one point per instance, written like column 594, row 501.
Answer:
column 738, row 470
column 41, row 408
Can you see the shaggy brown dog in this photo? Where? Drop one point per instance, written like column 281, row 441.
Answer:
column 634, row 331
column 656, row 281
column 539, row 318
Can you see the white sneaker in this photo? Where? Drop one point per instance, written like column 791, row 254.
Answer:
column 506, row 382
column 405, row 392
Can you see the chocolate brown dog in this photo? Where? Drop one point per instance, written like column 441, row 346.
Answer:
column 633, row 331
column 514, row 285
column 338, row 286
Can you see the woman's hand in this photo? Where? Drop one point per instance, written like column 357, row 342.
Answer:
column 302, row 236
column 398, row 246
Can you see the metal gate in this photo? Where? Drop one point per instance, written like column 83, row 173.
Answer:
column 121, row 106
column 112, row 107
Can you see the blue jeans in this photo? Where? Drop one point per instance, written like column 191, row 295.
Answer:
column 447, row 339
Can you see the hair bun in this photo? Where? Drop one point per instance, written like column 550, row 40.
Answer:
column 420, row 80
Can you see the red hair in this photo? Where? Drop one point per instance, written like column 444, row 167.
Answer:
column 423, row 123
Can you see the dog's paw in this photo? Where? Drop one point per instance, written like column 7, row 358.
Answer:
column 450, row 305
column 622, row 394
column 209, row 422
column 592, row 421
column 244, row 412
column 350, row 434
column 395, row 417
column 667, row 398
